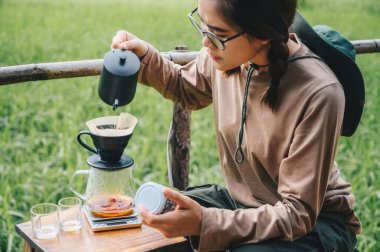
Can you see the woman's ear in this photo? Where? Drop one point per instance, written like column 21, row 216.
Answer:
column 264, row 42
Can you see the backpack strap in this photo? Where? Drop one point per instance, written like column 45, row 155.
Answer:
column 311, row 56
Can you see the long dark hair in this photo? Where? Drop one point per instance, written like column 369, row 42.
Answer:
column 265, row 20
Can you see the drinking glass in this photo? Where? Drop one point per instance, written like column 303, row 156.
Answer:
column 70, row 216
column 45, row 222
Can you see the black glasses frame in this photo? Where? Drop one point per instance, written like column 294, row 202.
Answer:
column 210, row 35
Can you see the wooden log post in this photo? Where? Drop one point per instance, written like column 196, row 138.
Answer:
column 179, row 140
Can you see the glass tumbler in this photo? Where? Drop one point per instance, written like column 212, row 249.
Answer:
column 70, row 216
column 45, row 222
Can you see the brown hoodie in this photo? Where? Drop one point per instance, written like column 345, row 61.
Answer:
column 289, row 175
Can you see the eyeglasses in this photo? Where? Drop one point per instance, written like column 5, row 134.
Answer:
column 215, row 39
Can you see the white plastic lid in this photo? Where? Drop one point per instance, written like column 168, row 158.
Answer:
column 151, row 197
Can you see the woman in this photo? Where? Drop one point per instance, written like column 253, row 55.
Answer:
column 278, row 116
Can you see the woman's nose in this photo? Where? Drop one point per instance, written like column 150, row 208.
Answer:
column 207, row 43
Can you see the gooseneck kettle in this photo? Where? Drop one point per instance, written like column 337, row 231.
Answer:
column 118, row 78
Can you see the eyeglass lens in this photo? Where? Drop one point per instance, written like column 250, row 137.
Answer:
column 197, row 22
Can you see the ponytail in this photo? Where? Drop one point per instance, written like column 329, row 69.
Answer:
column 277, row 55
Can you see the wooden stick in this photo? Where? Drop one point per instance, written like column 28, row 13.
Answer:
column 366, row 46
column 47, row 71
column 71, row 69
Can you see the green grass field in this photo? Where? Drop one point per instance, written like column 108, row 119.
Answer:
column 39, row 121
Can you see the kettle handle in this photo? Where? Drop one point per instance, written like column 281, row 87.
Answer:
column 80, row 141
column 80, row 195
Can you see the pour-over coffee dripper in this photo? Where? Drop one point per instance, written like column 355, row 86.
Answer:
column 109, row 149
column 109, row 141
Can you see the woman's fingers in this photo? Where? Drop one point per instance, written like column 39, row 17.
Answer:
column 118, row 39
column 183, row 201
column 127, row 41
column 146, row 216
column 131, row 45
column 185, row 220
column 122, row 36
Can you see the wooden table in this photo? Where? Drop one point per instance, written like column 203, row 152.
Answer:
column 133, row 239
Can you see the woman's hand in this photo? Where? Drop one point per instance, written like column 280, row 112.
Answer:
column 185, row 220
column 127, row 41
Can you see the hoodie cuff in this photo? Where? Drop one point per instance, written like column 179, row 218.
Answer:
column 145, row 59
column 205, row 240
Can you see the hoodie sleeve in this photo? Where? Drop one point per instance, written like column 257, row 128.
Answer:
column 188, row 85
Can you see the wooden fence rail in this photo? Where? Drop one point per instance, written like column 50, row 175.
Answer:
column 70, row 69
column 180, row 131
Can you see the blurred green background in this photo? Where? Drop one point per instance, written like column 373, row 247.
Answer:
column 39, row 120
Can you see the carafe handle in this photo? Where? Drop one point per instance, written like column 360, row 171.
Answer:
column 80, row 141
column 80, row 195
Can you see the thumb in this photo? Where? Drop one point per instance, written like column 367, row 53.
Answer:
column 129, row 45
column 178, row 198
column 143, row 212
column 135, row 45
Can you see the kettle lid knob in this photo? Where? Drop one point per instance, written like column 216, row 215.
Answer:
column 123, row 58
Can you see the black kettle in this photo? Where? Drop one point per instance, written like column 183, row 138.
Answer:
column 118, row 78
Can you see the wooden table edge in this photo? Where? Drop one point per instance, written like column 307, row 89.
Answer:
column 29, row 245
